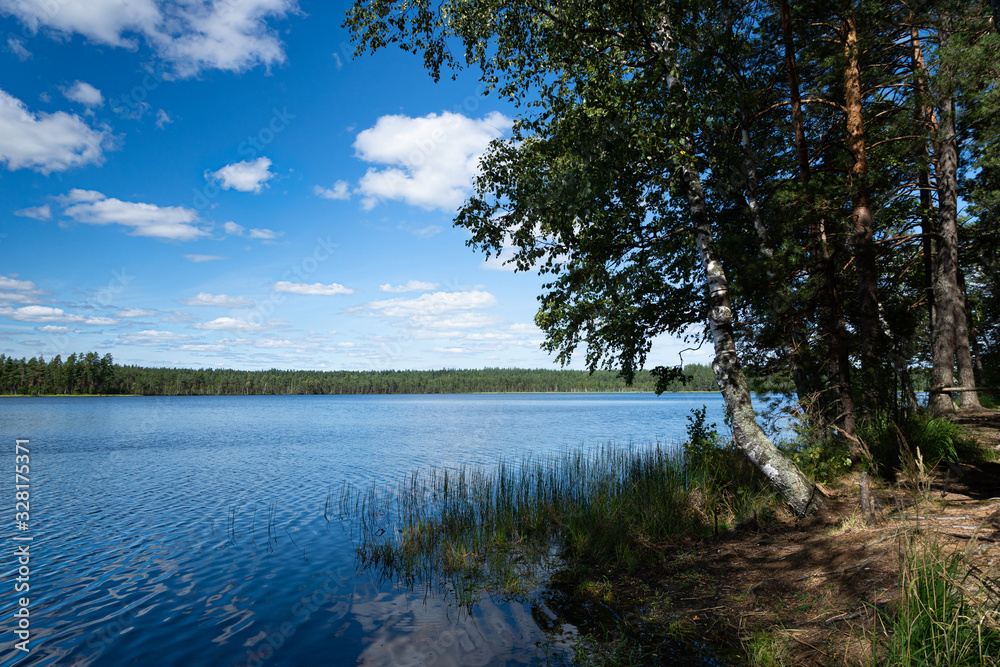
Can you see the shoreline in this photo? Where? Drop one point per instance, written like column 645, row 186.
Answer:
column 399, row 393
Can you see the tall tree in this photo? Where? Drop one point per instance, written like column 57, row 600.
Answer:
column 603, row 187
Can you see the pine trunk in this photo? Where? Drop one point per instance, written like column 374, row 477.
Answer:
column 869, row 328
column 835, row 329
column 950, row 339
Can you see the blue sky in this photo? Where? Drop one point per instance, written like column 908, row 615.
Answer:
column 219, row 183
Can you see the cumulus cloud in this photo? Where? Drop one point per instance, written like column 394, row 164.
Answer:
column 85, row 94
column 135, row 312
column 200, row 347
column 48, row 314
column 430, row 160
column 202, row 258
column 234, row 229
column 340, row 190
column 435, row 303
column 266, row 234
column 230, row 35
column 151, row 338
column 314, row 289
column 172, row 223
column 410, row 286
column 229, row 324
column 217, row 301
column 245, row 176
column 13, row 290
column 46, row 142
column 36, row 212
column 53, row 329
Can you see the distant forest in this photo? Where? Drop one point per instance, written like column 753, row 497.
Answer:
column 91, row 373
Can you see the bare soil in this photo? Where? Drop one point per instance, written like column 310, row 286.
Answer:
column 817, row 585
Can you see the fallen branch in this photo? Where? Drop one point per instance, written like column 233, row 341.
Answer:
column 968, row 537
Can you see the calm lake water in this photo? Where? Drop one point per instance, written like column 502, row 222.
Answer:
column 149, row 521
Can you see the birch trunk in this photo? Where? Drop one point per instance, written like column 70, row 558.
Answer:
column 798, row 491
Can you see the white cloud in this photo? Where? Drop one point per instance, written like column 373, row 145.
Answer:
column 135, row 312
column 85, row 94
column 16, row 46
column 13, row 290
column 340, row 190
column 315, row 289
column 431, row 160
column 526, row 329
column 200, row 347
column 46, row 142
column 234, row 229
column 217, row 301
column 435, row 303
column 245, row 176
column 410, row 286
column 190, row 35
column 229, row 324
column 37, row 212
column 266, row 234
column 53, row 329
column 163, row 119
column 48, row 314
column 11, row 283
column 202, row 258
column 427, row 232
column 173, row 223
column 274, row 342
column 151, row 337
column 469, row 320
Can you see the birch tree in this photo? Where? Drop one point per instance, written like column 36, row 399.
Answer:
column 601, row 185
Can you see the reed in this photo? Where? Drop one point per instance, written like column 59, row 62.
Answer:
column 608, row 507
column 949, row 612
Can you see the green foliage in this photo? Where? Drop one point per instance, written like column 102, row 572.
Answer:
column 938, row 440
column 702, row 446
column 823, row 461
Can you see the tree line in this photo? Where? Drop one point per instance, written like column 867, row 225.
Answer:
column 787, row 175
column 93, row 374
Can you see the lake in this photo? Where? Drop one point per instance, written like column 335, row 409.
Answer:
column 191, row 530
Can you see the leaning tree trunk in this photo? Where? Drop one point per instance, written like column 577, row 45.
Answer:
column 798, row 491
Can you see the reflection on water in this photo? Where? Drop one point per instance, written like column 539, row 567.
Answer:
column 190, row 530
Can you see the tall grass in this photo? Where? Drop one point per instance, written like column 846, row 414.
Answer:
column 948, row 615
column 608, row 507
